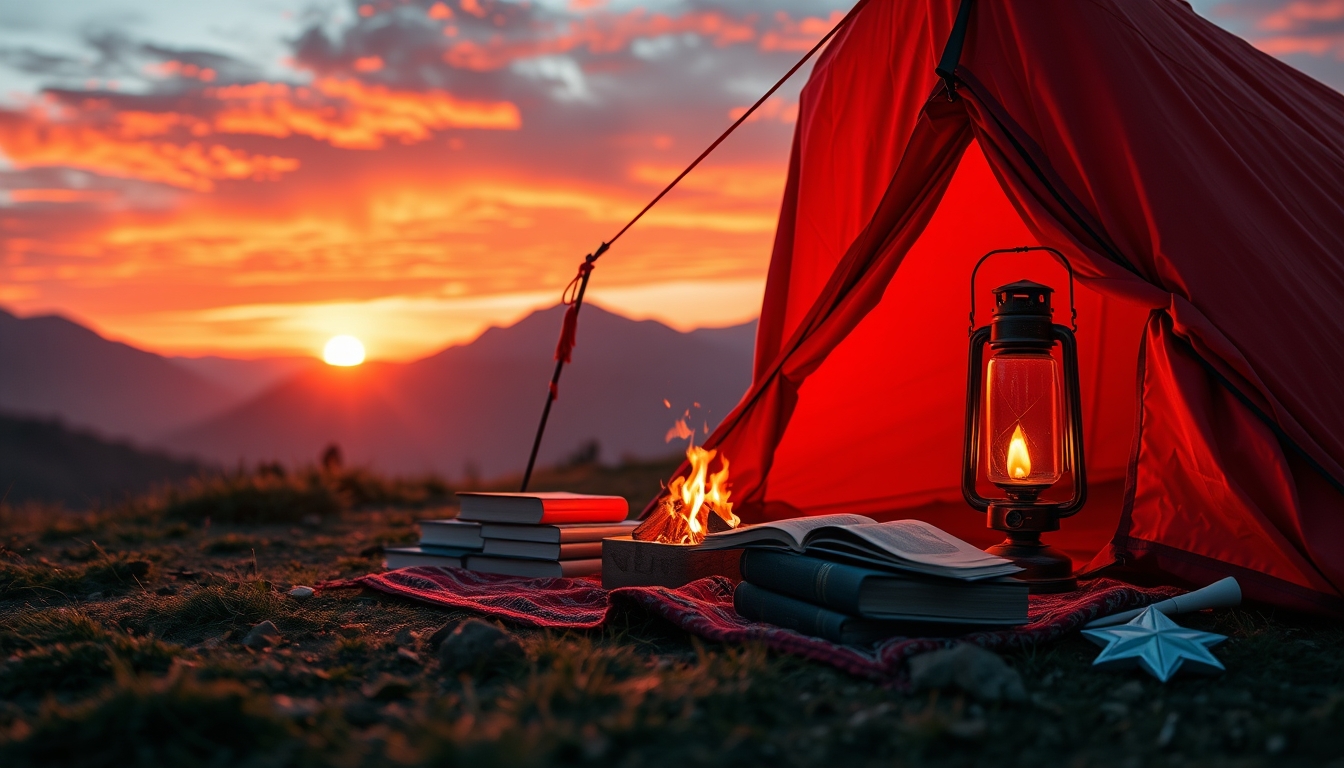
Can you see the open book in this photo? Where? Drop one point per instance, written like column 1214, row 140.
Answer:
column 913, row 546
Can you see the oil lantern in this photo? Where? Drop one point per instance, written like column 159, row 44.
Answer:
column 1024, row 424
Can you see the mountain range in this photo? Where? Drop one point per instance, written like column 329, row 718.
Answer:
column 468, row 410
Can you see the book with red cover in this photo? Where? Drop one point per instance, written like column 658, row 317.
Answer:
column 536, row 508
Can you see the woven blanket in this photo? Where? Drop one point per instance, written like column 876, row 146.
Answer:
column 705, row 608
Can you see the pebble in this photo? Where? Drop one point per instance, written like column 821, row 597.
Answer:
column 970, row 668
column 1129, row 693
column 475, row 645
column 436, row 639
column 263, row 635
column 1168, row 732
column 387, row 688
column 301, row 592
column 408, row 655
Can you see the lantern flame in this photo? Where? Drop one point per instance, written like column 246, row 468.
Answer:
column 692, row 499
column 1019, row 461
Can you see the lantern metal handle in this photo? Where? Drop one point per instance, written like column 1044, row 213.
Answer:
column 1073, row 309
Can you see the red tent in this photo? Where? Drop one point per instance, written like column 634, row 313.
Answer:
column 1197, row 186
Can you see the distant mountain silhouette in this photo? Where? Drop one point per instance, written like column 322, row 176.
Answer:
column 473, row 408
column 245, row 379
column 52, row 367
column 42, row 460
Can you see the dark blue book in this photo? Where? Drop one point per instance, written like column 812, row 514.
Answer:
column 873, row 594
column 757, row 604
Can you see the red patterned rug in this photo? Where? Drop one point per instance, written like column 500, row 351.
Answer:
column 705, row 608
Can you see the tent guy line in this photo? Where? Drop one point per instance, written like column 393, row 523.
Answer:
column 572, row 296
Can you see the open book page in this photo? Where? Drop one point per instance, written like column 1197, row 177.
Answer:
column 789, row 533
column 915, row 541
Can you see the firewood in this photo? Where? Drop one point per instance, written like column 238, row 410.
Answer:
column 716, row 523
column 661, row 525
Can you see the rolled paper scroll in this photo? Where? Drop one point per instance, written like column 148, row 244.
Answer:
column 1225, row 593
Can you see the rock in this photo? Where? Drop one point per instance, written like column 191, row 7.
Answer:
column 404, row 638
column 972, row 669
column 1128, row 693
column 362, row 713
column 408, row 655
column 263, row 635
column 436, row 639
column 476, row 645
column 1114, row 710
column 387, row 688
column 1168, row 732
column 301, row 592
column 1276, row 744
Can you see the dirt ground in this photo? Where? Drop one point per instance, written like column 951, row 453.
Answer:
column 120, row 632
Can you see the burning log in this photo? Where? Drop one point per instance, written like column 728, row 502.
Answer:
column 692, row 508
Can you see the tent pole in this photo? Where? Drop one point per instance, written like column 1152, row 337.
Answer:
column 951, row 58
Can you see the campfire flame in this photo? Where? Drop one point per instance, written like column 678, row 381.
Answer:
column 1019, row 461
column 684, row 516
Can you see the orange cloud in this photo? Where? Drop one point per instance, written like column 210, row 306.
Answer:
column 798, row 35
column 182, row 69
column 1315, row 45
column 774, row 109
column 60, row 195
column 764, row 184
column 368, row 63
column 194, row 165
column 1300, row 13
column 600, row 34
column 168, row 147
column 352, row 115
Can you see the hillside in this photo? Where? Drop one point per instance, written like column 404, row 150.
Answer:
column 56, row 368
column 471, row 409
column 42, row 460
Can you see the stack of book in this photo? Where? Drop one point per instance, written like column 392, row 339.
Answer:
column 848, row 579
column 520, row 534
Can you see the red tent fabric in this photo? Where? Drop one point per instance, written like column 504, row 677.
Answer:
column 1197, row 186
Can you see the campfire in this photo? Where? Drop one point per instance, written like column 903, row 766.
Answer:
column 694, row 505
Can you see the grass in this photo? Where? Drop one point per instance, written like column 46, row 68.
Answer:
column 120, row 634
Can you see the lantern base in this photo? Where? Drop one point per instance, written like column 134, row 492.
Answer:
column 1045, row 569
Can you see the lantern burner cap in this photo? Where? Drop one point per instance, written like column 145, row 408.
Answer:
column 1024, row 297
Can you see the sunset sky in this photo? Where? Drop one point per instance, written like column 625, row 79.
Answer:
column 253, row 177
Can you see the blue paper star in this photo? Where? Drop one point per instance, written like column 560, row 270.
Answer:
column 1156, row 643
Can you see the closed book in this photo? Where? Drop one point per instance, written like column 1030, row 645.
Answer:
column 558, row 534
column 534, row 508
column 757, row 604
column 462, row 534
column 407, row 557
column 541, row 550
column 512, row 566
column 875, row 594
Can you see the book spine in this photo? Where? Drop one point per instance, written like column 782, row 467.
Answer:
column 756, row 604
column 820, row 582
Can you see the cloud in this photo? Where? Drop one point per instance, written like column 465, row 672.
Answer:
column 1302, row 15
column 352, row 115
column 91, row 132
column 34, row 139
column 374, row 169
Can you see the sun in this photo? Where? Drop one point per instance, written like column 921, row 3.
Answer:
column 343, row 351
